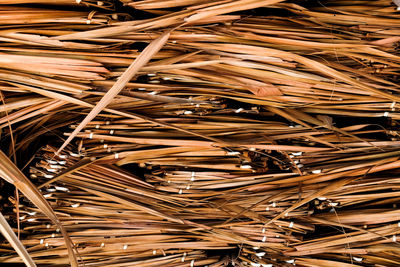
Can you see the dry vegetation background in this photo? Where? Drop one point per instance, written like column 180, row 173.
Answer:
column 200, row 133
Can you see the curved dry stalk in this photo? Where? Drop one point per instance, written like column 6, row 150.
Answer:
column 138, row 63
column 9, row 234
column 13, row 175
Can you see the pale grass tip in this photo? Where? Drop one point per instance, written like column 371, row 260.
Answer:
column 260, row 254
column 183, row 257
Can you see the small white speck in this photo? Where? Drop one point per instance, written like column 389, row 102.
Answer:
column 297, row 153
column 125, row 247
column 183, row 257
column 60, row 188
column 239, row 110
column 385, row 114
column 322, row 198
column 53, row 166
column 31, row 220
column 245, row 166
column 255, row 264
column 151, row 74
column 358, row 259
column 105, row 145
column 187, row 112
column 291, row 224
column 153, row 93
column 52, row 161
column 63, row 157
column 91, row 136
column 154, row 252
column 88, row 21
column 333, row 204
column 62, row 162
column 260, row 254
column 232, row 153
column 102, row 245
column 48, row 226
column 316, row 171
column 32, row 213
column 47, row 195
column 180, row 191
column 47, row 244
column 75, row 205
column 267, row 208
column 53, row 235
column 188, row 187
column 273, row 204
column 263, row 230
column 394, row 238
column 116, row 155
column 290, row 261
column 41, row 241
column 48, row 176
column 264, row 239
column 112, row 131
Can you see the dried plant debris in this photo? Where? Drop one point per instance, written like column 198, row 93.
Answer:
column 200, row 133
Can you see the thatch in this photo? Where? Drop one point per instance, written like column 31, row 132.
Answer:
column 200, row 133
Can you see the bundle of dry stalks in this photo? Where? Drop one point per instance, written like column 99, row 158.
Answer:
column 200, row 133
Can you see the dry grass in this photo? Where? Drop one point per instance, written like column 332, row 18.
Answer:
column 258, row 137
